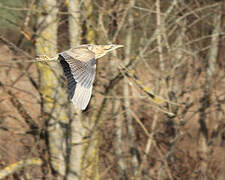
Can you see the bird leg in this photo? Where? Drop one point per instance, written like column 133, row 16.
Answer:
column 45, row 58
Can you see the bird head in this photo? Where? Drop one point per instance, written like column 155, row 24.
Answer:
column 101, row 50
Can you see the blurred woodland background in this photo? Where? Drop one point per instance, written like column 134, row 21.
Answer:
column 174, row 48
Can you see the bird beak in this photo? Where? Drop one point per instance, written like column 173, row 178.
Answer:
column 118, row 46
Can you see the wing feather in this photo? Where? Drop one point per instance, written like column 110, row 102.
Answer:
column 80, row 77
column 81, row 70
column 82, row 96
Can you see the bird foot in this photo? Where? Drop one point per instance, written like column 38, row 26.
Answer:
column 43, row 58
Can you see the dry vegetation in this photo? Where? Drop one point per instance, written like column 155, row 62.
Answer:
column 176, row 49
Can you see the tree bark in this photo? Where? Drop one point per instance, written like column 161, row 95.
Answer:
column 126, row 92
column 90, row 161
column 54, row 101
column 76, row 127
column 221, row 54
column 204, row 118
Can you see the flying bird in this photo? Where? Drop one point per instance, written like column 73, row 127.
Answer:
column 79, row 66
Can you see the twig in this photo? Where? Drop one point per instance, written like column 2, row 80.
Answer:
column 19, row 165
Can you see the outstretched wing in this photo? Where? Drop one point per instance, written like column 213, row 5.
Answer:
column 80, row 77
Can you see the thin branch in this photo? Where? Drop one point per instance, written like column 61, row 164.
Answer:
column 19, row 165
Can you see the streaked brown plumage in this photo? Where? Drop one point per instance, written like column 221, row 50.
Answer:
column 79, row 65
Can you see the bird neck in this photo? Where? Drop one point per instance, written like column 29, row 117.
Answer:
column 97, row 56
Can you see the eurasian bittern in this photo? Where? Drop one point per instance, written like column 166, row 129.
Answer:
column 79, row 65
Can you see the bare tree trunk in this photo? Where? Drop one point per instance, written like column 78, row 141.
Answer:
column 90, row 161
column 76, row 128
column 221, row 55
column 90, row 33
column 160, row 82
column 119, row 145
column 74, row 22
column 218, row 130
column 126, row 92
column 204, row 149
column 54, row 101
